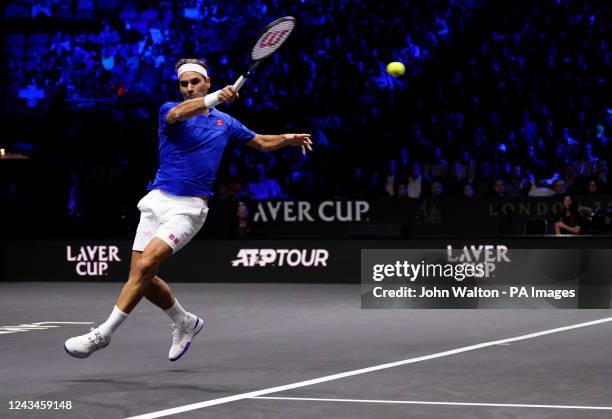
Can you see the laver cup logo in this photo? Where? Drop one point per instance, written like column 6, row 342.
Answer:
column 92, row 260
column 303, row 211
column 281, row 257
column 488, row 256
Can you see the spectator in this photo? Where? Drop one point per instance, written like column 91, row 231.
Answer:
column 592, row 187
column 517, row 185
column 262, row 187
column 457, row 179
column 498, row 189
column 403, row 163
column 602, row 143
column 242, row 214
column 559, row 186
column 528, row 129
column 601, row 173
column 469, row 166
column 391, row 179
column 376, row 185
column 572, row 146
column 438, row 168
column 416, row 183
column 568, row 220
column 468, row 191
column 402, row 190
column 436, row 189
column 587, row 161
column 533, row 163
column 569, row 176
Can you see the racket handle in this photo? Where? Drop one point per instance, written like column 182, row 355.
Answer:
column 241, row 80
column 212, row 99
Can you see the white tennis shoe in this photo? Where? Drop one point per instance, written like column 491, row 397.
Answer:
column 84, row 345
column 183, row 335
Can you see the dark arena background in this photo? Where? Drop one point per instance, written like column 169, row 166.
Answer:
column 443, row 252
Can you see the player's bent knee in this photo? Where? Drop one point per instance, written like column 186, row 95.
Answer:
column 147, row 265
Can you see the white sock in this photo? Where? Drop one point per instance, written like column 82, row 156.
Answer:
column 177, row 313
column 113, row 322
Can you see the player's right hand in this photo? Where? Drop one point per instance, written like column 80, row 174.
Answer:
column 228, row 94
column 299, row 140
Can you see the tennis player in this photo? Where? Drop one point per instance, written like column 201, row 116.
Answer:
column 192, row 138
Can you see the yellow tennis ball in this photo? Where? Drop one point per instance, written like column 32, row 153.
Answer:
column 396, row 68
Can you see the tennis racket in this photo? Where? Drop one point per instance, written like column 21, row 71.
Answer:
column 271, row 39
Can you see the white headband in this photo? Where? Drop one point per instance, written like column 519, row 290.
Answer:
column 192, row 67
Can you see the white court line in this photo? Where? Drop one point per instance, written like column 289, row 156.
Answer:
column 29, row 327
column 545, row 406
column 47, row 323
column 251, row 394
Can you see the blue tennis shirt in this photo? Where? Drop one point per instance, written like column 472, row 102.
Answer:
column 190, row 151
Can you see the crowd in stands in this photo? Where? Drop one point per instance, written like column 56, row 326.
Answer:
column 500, row 99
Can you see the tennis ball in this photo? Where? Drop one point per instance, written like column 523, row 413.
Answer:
column 396, row 68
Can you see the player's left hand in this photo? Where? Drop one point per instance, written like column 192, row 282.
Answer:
column 299, row 140
column 228, row 94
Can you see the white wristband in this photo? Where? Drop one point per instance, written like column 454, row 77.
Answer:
column 212, row 99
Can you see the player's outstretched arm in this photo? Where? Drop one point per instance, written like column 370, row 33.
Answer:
column 195, row 106
column 274, row 142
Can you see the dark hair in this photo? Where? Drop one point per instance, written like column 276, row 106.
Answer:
column 189, row 61
column 574, row 207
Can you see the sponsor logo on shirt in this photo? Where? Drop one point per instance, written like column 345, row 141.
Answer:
column 219, row 122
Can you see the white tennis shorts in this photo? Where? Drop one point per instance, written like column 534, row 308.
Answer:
column 173, row 219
